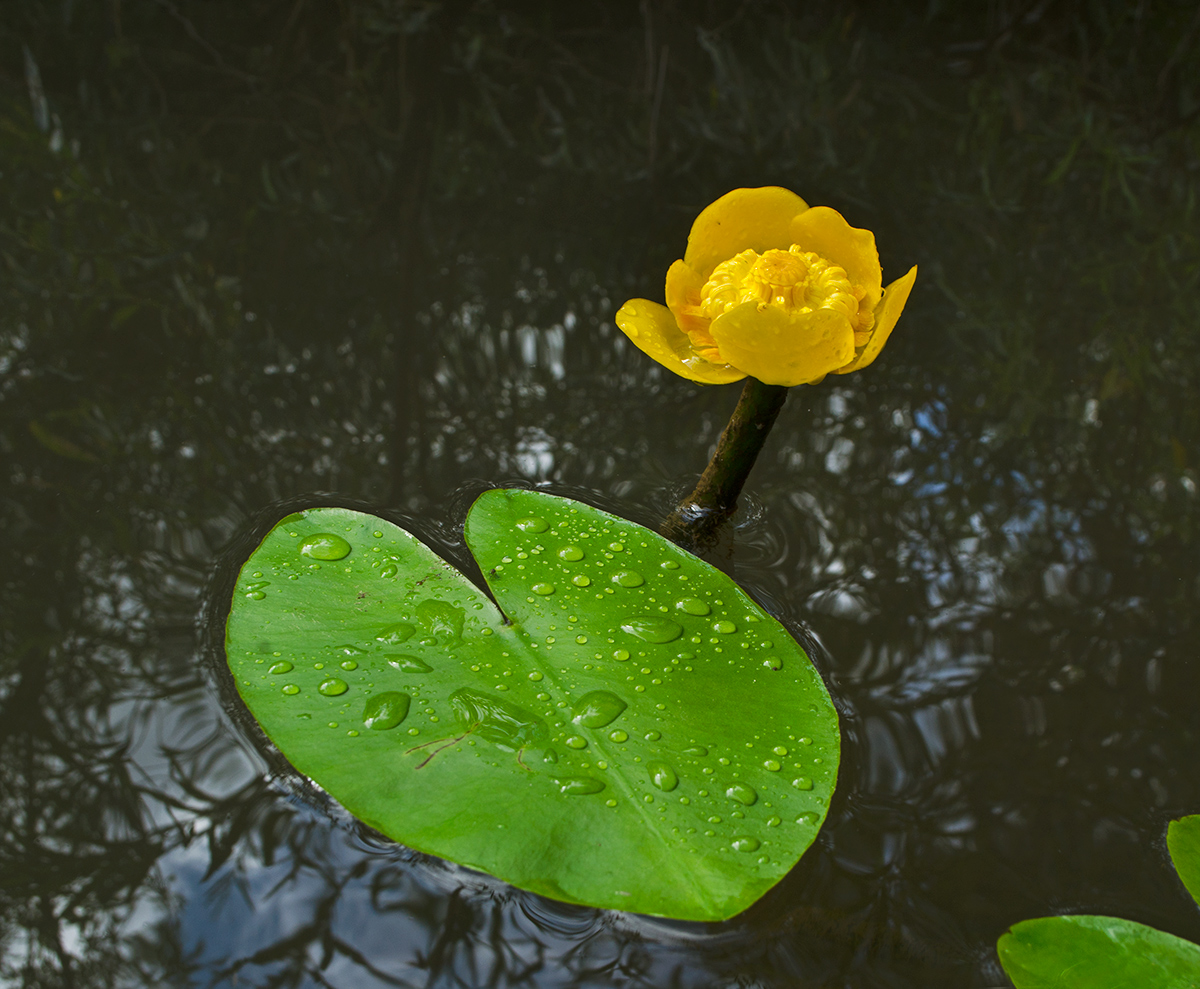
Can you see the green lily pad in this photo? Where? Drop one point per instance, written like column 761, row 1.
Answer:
column 638, row 735
column 1183, row 842
column 1085, row 952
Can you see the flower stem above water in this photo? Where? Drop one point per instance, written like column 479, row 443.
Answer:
column 697, row 519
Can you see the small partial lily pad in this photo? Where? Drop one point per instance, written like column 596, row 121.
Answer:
column 1183, row 842
column 632, row 732
column 1088, row 952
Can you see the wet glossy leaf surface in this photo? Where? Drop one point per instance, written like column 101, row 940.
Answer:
column 1183, row 842
column 1086, row 952
column 640, row 735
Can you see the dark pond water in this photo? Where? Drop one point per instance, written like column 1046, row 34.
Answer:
column 266, row 253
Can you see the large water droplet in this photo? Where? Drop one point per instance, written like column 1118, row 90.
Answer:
column 386, row 710
column 283, row 666
column 543, row 589
column 652, row 628
column 772, row 765
column 698, row 750
column 578, row 786
column 571, row 553
column 743, row 793
column 802, row 783
column 333, row 686
column 628, row 578
column 393, row 635
column 408, row 664
column 497, row 721
column 598, row 708
column 440, row 618
column 662, row 775
column 535, row 523
column 580, row 580
column 576, row 742
column 693, row 606
column 618, row 736
column 325, row 546
column 745, row 843
column 389, row 570
column 724, row 627
column 290, row 688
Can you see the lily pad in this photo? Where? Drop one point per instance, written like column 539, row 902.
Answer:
column 1087, row 952
column 1183, row 842
column 632, row 732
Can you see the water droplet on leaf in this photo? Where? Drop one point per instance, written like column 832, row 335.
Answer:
column 578, row 786
column 662, row 775
column 535, row 523
column 393, row 635
column 325, row 546
column 283, row 666
column 333, row 686
column 628, row 578
column 440, row 618
column 652, row 628
column 693, row 606
column 745, row 843
column 386, row 710
column 598, row 708
column 571, row 553
column 408, row 664
column 743, row 793
column 497, row 721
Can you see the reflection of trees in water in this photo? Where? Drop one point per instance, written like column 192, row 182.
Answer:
column 350, row 249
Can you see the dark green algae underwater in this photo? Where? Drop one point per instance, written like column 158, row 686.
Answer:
column 267, row 255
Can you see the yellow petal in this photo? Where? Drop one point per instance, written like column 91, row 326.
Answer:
column 783, row 348
column 886, row 314
column 683, row 286
column 652, row 329
column 758, row 219
column 826, row 232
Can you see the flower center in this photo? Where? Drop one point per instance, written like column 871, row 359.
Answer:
column 794, row 280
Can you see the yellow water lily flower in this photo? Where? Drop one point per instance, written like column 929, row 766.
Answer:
column 771, row 289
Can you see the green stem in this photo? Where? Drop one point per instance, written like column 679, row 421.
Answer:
column 698, row 518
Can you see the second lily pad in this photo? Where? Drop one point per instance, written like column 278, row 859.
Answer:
column 632, row 732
